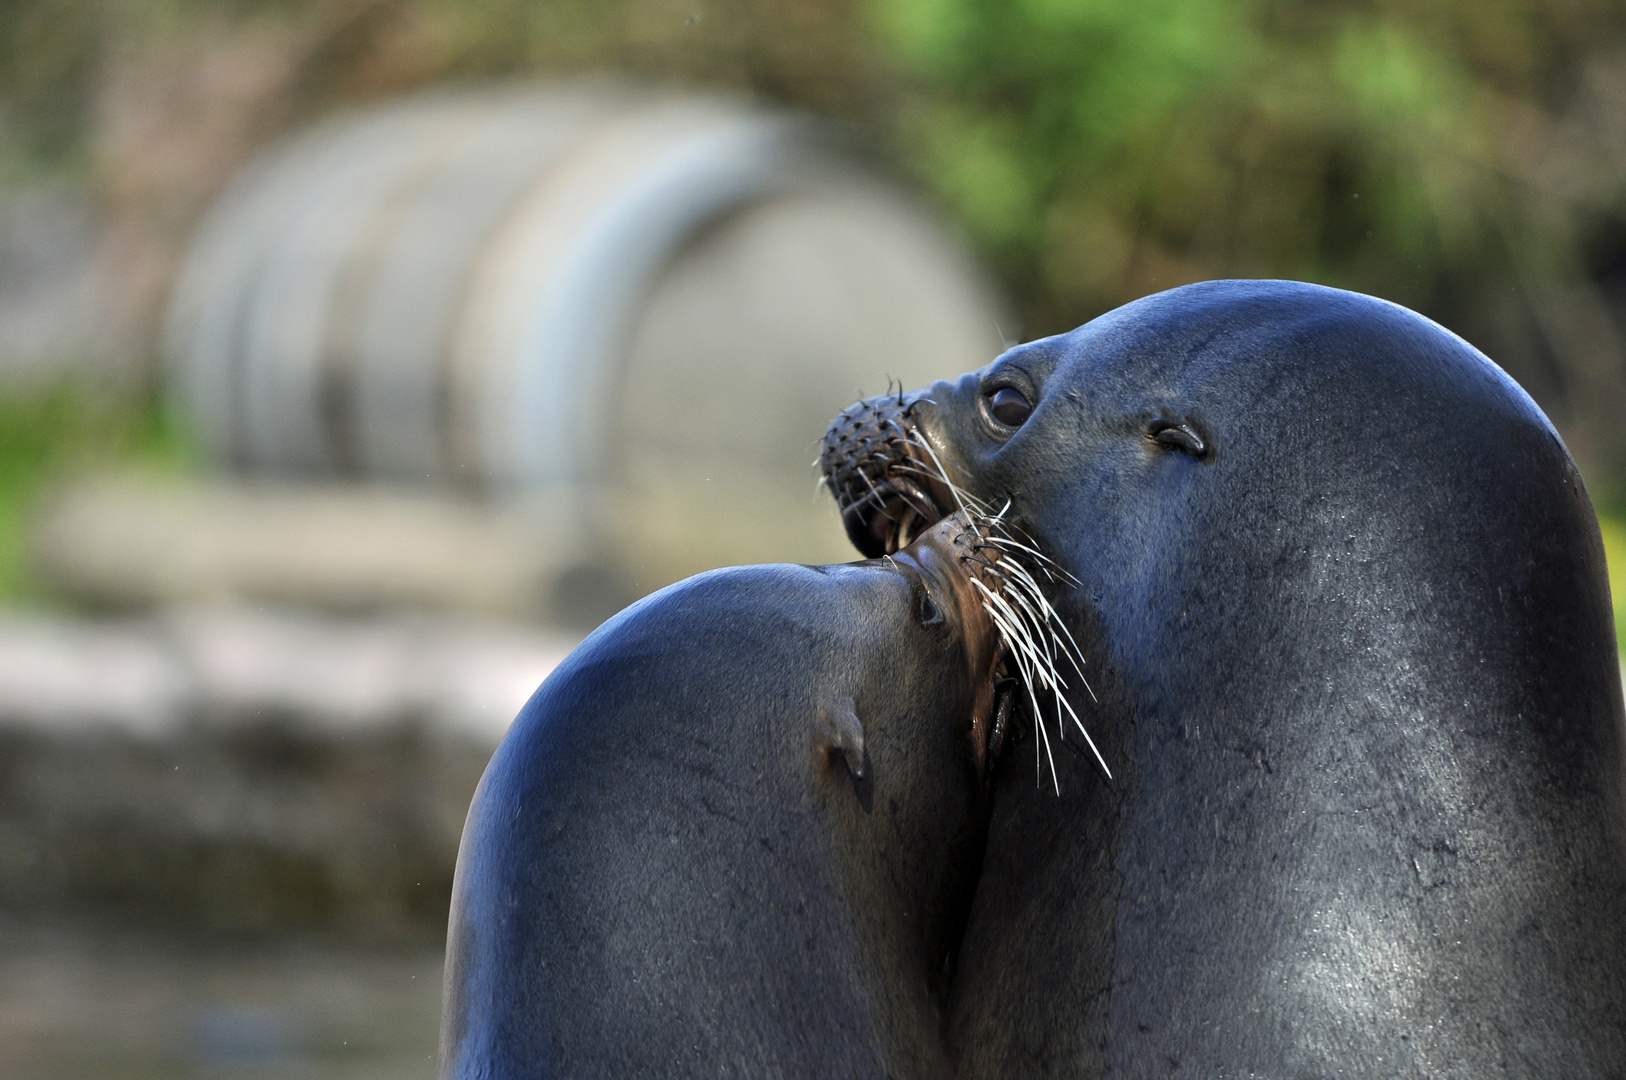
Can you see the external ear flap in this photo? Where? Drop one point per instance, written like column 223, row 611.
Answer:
column 1178, row 434
column 838, row 728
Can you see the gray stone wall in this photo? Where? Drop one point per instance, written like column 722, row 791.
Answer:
column 243, row 772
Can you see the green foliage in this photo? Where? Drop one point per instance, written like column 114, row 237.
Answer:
column 47, row 434
column 1614, row 548
column 1102, row 148
column 48, row 54
column 1135, row 145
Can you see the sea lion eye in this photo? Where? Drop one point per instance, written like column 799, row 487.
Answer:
column 1009, row 406
column 930, row 613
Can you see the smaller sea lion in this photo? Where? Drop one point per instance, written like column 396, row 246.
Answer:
column 738, row 829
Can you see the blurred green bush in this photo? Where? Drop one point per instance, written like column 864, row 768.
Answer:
column 1461, row 157
column 50, row 431
column 1614, row 547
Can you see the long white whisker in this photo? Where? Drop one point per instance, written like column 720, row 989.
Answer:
column 1050, row 618
column 1083, row 731
column 1014, row 626
column 953, row 488
column 1029, row 625
column 1038, row 618
column 1038, row 723
column 1037, row 668
column 1046, row 562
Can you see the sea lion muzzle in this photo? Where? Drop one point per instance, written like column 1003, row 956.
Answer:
column 884, row 475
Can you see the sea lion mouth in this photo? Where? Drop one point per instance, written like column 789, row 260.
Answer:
column 884, row 475
column 891, row 517
column 893, row 491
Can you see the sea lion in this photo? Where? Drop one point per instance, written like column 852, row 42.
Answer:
column 1356, row 677
column 737, row 830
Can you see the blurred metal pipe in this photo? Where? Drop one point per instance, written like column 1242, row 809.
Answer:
column 555, row 293
column 470, row 260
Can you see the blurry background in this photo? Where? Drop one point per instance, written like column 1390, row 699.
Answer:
column 357, row 356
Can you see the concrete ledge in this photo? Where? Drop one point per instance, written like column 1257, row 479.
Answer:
column 245, row 772
column 139, row 542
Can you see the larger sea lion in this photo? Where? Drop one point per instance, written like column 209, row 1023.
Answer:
column 1357, row 684
column 736, row 832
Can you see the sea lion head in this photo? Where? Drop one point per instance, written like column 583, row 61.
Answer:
column 1195, row 456
column 973, row 605
column 1344, row 600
